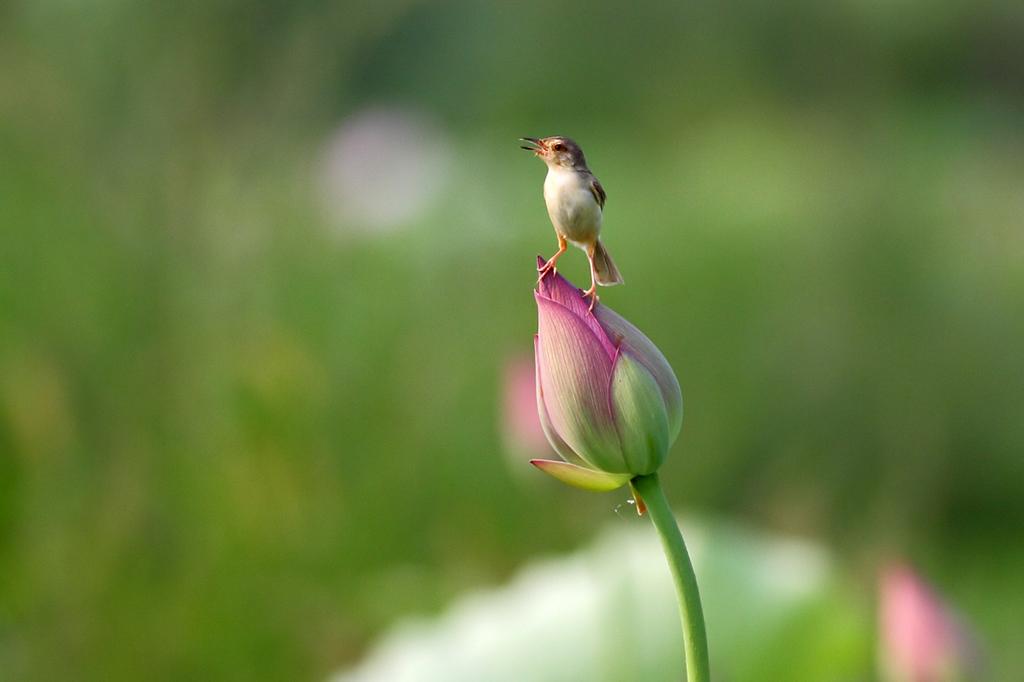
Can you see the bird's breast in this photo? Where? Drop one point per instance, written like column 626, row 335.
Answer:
column 572, row 207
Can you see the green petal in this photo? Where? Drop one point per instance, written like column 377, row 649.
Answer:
column 623, row 334
column 581, row 477
column 640, row 416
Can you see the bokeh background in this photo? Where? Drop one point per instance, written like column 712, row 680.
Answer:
column 265, row 273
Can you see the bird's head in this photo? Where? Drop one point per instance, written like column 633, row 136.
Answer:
column 557, row 152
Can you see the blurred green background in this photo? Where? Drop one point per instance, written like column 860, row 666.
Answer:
column 263, row 266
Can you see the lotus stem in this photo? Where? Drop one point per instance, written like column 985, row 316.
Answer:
column 695, row 639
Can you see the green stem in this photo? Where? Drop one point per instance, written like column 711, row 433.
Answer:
column 695, row 639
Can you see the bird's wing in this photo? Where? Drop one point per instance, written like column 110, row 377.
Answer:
column 598, row 191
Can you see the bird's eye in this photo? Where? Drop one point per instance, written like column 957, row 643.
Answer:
column 559, row 147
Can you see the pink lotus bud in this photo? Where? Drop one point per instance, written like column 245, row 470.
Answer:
column 607, row 398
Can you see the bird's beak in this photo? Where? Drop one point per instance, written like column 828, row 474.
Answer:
column 537, row 148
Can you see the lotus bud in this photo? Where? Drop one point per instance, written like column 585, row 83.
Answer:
column 608, row 400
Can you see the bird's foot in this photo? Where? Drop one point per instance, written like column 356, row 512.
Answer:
column 550, row 265
column 592, row 293
column 543, row 271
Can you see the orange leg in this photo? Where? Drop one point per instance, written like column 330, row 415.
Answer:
column 592, row 291
column 550, row 265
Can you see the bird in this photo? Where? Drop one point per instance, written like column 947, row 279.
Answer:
column 575, row 202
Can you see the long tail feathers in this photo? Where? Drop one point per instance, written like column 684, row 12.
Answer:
column 607, row 273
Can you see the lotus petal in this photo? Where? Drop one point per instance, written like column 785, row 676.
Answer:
column 561, row 290
column 560, row 446
column 627, row 337
column 640, row 416
column 575, row 374
column 581, row 477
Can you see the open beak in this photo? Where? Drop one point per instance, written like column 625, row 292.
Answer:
column 537, row 147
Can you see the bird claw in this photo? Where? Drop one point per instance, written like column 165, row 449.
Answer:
column 550, row 265
column 592, row 293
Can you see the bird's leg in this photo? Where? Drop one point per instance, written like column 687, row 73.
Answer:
column 550, row 265
column 592, row 291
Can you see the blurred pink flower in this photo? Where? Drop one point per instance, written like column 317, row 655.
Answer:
column 520, row 425
column 920, row 638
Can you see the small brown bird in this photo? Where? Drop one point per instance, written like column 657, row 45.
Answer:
column 575, row 201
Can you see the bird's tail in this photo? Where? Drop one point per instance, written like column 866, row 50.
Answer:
column 607, row 273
